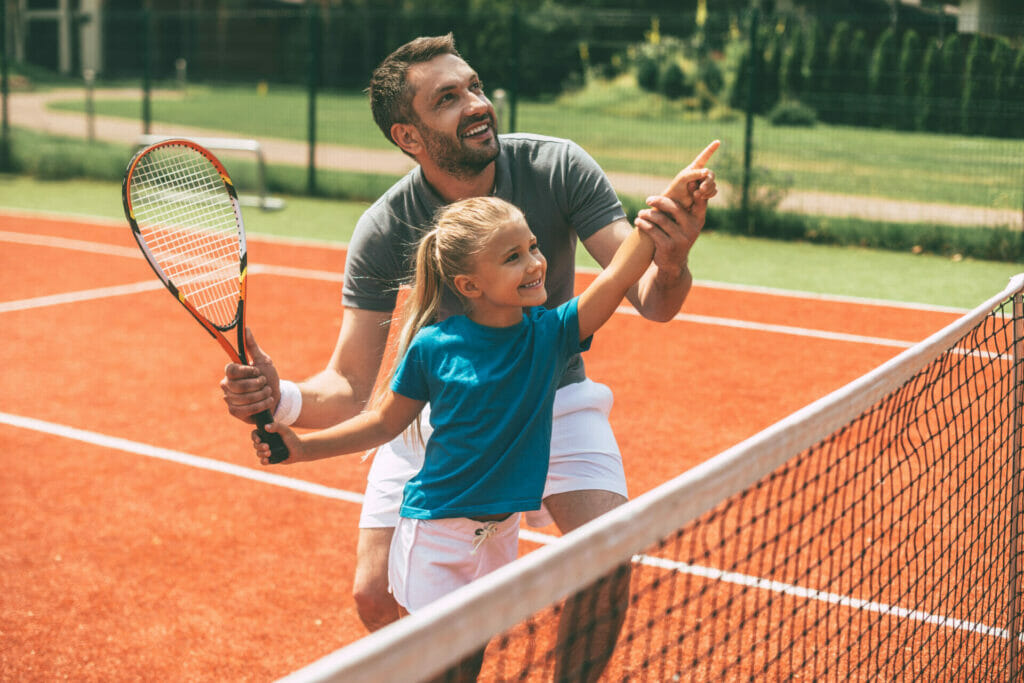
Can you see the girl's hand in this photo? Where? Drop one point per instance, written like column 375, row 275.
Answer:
column 291, row 440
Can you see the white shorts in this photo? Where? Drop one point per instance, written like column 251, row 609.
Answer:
column 430, row 558
column 584, row 456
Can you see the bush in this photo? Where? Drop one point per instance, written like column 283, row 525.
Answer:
column 672, row 82
column 647, row 73
column 992, row 244
column 710, row 74
column 792, row 113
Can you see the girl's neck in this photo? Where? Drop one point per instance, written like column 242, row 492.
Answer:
column 495, row 316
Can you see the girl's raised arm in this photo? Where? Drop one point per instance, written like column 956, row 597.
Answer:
column 605, row 293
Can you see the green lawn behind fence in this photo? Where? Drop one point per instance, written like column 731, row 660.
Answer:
column 630, row 131
column 923, row 278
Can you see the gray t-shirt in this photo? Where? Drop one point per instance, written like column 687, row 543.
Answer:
column 560, row 189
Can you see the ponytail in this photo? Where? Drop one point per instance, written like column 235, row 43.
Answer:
column 423, row 305
column 421, row 308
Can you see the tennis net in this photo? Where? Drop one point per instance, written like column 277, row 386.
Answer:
column 874, row 534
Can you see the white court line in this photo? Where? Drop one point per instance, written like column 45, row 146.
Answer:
column 836, row 298
column 780, row 329
column 305, row 273
column 137, row 448
column 331, row 276
column 199, row 462
column 67, row 243
column 83, row 295
column 343, row 246
column 822, row 596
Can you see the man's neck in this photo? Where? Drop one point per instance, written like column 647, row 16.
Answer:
column 452, row 189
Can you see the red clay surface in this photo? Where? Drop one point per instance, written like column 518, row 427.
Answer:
column 119, row 566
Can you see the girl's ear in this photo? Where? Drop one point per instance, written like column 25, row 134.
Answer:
column 407, row 138
column 466, row 286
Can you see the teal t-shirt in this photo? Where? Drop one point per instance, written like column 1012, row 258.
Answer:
column 491, row 392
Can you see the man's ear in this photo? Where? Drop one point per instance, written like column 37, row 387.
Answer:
column 407, row 138
column 466, row 286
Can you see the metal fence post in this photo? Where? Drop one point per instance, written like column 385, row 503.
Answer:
column 752, row 95
column 513, row 89
column 5, row 123
column 147, row 68
column 89, row 78
column 314, row 81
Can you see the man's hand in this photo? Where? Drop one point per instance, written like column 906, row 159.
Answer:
column 250, row 389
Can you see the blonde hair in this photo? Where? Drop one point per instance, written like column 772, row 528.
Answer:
column 459, row 233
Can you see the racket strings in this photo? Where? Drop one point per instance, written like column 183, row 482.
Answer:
column 188, row 223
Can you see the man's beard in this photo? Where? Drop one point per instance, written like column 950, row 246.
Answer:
column 454, row 158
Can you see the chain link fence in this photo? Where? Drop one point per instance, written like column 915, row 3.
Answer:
column 886, row 118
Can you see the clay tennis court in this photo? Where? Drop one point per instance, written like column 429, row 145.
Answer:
column 143, row 541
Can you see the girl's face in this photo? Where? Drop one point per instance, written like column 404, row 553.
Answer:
column 508, row 275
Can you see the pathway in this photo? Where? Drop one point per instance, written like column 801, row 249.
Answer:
column 30, row 110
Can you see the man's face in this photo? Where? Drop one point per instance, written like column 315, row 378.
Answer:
column 455, row 119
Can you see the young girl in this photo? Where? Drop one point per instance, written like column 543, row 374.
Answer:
column 489, row 377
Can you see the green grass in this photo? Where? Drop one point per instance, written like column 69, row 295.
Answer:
column 719, row 257
column 637, row 133
column 627, row 130
column 305, row 217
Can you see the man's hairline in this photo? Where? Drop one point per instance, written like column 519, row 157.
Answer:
column 413, row 90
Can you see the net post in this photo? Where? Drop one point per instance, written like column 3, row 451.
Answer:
column 1015, row 627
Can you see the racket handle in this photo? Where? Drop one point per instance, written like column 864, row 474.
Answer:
column 278, row 451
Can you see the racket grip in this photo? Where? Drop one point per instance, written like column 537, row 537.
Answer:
column 278, row 451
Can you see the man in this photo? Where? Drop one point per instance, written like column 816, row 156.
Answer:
column 430, row 103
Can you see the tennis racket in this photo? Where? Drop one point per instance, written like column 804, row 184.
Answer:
column 184, row 215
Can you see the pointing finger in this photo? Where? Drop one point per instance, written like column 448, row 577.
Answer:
column 704, row 157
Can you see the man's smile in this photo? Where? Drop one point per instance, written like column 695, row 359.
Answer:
column 477, row 130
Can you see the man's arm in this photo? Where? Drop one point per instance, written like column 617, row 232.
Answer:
column 336, row 393
column 674, row 226
column 659, row 294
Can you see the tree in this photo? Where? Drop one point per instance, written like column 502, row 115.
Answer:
column 1013, row 100
column 883, row 74
column 949, row 85
column 854, row 100
column 908, row 79
column 996, row 121
column 832, row 80
column 791, row 66
column 927, row 115
column 972, row 94
column 815, row 65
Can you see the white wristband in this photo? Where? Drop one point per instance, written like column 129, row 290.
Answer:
column 290, row 405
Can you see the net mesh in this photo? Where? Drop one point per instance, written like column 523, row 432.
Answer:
column 889, row 549
column 190, row 228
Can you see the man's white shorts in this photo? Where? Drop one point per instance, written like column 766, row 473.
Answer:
column 584, row 456
column 430, row 558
